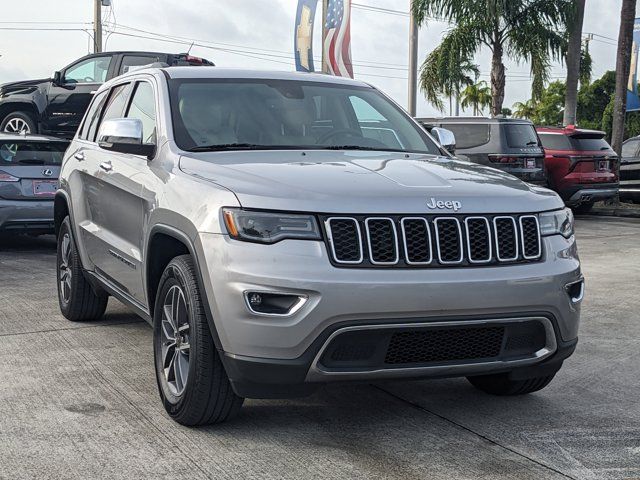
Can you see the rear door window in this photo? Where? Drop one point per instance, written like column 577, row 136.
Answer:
column 32, row 153
column 130, row 61
column 469, row 135
column 520, row 135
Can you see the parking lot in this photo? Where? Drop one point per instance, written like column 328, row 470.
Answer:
column 80, row 400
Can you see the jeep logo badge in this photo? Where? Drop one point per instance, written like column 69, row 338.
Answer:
column 454, row 205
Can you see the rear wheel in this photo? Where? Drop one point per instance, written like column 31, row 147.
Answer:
column 193, row 384
column 19, row 122
column 77, row 298
column 583, row 208
column 500, row 384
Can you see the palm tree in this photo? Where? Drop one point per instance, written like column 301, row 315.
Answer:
column 442, row 76
column 524, row 109
column 521, row 29
column 478, row 96
column 574, row 57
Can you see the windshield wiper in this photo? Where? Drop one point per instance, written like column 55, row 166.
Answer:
column 27, row 161
column 233, row 146
column 352, row 147
column 532, row 142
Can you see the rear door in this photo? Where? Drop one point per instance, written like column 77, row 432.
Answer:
column 68, row 102
column 29, row 170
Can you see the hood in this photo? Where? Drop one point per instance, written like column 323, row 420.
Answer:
column 366, row 182
column 23, row 84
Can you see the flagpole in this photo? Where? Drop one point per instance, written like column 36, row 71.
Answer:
column 325, row 4
column 413, row 63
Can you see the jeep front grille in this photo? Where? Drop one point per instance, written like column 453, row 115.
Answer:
column 430, row 241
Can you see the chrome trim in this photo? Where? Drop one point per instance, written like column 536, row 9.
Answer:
column 327, row 224
column 395, row 236
column 466, row 226
column 524, row 252
column 515, row 232
column 580, row 296
column 450, row 262
column 302, row 299
column 316, row 373
column 404, row 241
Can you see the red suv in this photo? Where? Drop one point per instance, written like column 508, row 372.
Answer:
column 580, row 165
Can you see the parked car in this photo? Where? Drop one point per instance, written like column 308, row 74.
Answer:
column 504, row 143
column 55, row 106
column 581, row 165
column 29, row 169
column 630, row 170
column 277, row 240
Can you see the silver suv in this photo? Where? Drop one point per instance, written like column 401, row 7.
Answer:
column 280, row 231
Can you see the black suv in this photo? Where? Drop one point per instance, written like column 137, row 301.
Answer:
column 56, row 106
column 509, row 144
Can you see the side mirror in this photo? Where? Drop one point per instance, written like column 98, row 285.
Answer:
column 124, row 135
column 446, row 138
column 57, row 78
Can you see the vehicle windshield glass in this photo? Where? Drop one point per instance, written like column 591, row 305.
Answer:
column 229, row 114
column 521, row 135
column 32, row 153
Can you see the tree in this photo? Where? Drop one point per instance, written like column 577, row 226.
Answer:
column 586, row 66
column 529, row 30
column 476, row 95
column 524, row 109
column 574, row 55
column 445, row 76
column 623, row 66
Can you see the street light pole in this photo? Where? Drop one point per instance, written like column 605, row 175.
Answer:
column 413, row 63
column 97, row 26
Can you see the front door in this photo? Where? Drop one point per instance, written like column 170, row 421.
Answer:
column 68, row 100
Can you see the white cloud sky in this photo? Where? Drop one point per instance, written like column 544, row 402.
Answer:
column 263, row 26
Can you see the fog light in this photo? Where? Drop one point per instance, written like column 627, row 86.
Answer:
column 280, row 304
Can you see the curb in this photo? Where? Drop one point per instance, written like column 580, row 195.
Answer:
column 614, row 212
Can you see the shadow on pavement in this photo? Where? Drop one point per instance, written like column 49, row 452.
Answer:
column 26, row 243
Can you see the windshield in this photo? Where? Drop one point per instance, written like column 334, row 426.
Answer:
column 32, row 153
column 230, row 114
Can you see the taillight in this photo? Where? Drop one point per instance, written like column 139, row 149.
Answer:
column 5, row 178
column 193, row 60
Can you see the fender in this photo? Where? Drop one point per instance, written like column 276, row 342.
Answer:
column 32, row 95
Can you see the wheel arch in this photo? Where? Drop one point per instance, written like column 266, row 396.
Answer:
column 60, row 210
column 19, row 106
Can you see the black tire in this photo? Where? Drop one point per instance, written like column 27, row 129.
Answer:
column 501, row 385
column 19, row 118
column 583, row 208
column 205, row 396
column 77, row 298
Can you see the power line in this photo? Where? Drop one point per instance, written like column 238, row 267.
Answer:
column 380, row 9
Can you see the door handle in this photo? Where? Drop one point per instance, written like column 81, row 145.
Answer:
column 79, row 156
column 106, row 166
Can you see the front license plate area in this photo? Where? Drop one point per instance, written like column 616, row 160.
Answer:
column 45, row 188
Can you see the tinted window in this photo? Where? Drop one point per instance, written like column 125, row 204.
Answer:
column 555, row 141
column 129, row 61
column 92, row 70
column 468, row 135
column 590, row 143
column 115, row 104
column 32, row 153
column 283, row 113
column 143, row 107
column 520, row 135
column 630, row 148
column 88, row 130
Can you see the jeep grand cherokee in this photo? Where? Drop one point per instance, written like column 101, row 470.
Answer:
column 280, row 231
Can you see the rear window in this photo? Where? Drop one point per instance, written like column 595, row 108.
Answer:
column 469, row 135
column 555, row 141
column 576, row 143
column 520, row 135
column 590, row 143
column 32, row 153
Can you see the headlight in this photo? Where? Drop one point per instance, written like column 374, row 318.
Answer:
column 269, row 227
column 559, row 222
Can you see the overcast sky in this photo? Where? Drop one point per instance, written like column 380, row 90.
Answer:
column 255, row 28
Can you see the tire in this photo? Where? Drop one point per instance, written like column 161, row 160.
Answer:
column 200, row 392
column 501, row 385
column 16, row 122
column 583, row 208
column 77, row 298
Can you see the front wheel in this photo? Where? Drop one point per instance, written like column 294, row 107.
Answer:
column 19, row 122
column 500, row 384
column 193, row 384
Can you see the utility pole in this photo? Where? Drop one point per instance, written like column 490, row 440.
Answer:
column 413, row 63
column 97, row 26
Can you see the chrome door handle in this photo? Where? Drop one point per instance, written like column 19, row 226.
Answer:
column 106, row 166
column 79, row 156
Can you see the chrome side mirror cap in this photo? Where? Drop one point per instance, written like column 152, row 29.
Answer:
column 124, row 135
column 446, row 138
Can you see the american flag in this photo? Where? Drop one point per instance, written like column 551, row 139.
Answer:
column 337, row 42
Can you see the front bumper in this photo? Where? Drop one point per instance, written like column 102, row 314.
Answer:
column 282, row 352
column 26, row 216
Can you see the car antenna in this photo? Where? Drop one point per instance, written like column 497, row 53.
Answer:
column 190, row 47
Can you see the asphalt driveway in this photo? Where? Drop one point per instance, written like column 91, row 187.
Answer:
column 80, row 400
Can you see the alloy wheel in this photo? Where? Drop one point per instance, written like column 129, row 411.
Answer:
column 175, row 340
column 17, row 125
column 65, row 273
